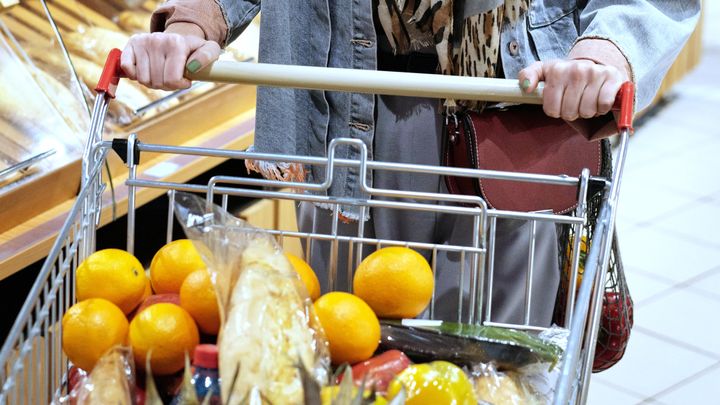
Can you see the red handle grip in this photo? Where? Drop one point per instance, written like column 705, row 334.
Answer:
column 111, row 73
column 625, row 105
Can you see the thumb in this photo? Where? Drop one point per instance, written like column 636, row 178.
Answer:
column 203, row 54
column 531, row 76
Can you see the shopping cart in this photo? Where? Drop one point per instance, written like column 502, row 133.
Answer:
column 33, row 368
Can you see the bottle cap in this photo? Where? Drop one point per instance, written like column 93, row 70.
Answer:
column 205, row 356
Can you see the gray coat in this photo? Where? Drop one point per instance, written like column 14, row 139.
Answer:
column 341, row 33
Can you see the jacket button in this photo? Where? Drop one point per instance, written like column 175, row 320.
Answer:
column 513, row 48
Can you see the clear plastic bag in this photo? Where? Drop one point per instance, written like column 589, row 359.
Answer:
column 269, row 328
column 112, row 381
column 507, row 388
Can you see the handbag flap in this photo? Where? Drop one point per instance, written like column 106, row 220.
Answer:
column 521, row 139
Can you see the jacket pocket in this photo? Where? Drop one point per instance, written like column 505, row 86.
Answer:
column 552, row 26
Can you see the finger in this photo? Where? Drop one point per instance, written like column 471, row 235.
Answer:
column 204, row 55
column 157, row 68
column 608, row 92
column 531, row 76
column 589, row 101
column 554, row 89
column 127, row 61
column 174, row 70
column 577, row 78
column 142, row 65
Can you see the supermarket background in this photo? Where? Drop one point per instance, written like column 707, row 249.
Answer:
column 668, row 218
column 669, row 229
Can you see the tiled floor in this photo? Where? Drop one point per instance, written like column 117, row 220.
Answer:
column 669, row 228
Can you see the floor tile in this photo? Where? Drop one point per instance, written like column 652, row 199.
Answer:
column 603, row 394
column 651, row 401
column 660, row 252
column 643, row 198
column 709, row 284
column 625, row 226
column 699, row 222
column 650, row 365
column 644, row 286
column 691, row 174
column 685, row 317
column 702, row 389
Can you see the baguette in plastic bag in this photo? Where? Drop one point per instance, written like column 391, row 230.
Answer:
column 269, row 327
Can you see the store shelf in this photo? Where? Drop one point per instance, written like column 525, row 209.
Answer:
column 32, row 240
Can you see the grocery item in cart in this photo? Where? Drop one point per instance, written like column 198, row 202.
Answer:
column 397, row 282
column 307, row 275
column 438, row 382
column 351, row 327
column 503, row 388
column 112, row 381
column 114, row 275
column 172, row 264
column 269, row 327
column 378, row 371
column 468, row 344
column 164, row 332
column 198, row 297
column 90, row 328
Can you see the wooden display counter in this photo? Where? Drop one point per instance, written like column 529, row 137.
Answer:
column 222, row 118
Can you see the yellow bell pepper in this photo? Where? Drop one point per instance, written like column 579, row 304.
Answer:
column 435, row 383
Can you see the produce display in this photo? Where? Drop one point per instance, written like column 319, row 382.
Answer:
column 229, row 298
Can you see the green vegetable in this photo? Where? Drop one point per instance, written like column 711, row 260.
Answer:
column 468, row 344
column 548, row 352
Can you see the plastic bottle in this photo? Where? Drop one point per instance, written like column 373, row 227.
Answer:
column 205, row 378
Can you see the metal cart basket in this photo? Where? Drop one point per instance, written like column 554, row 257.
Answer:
column 33, row 367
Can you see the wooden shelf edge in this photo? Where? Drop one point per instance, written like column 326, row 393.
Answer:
column 32, row 240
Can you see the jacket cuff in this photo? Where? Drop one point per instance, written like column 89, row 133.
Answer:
column 206, row 14
column 602, row 51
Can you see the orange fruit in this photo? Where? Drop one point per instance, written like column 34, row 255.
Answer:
column 91, row 328
column 114, row 275
column 168, row 331
column 307, row 275
column 581, row 263
column 197, row 296
column 148, row 289
column 172, row 263
column 350, row 325
column 396, row 282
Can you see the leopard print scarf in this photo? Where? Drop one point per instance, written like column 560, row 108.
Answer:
column 415, row 24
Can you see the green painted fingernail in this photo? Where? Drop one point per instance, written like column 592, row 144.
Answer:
column 193, row 66
column 526, row 84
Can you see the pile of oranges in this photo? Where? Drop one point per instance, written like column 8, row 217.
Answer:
column 159, row 313
column 393, row 282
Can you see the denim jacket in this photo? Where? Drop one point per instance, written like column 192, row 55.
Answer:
column 340, row 33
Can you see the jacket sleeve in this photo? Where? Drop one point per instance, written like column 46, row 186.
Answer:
column 648, row 33
column 220, row 20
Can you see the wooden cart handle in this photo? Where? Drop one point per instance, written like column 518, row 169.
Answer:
column 369, row 81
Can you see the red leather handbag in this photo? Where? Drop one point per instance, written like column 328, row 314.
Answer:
column 520, row 139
